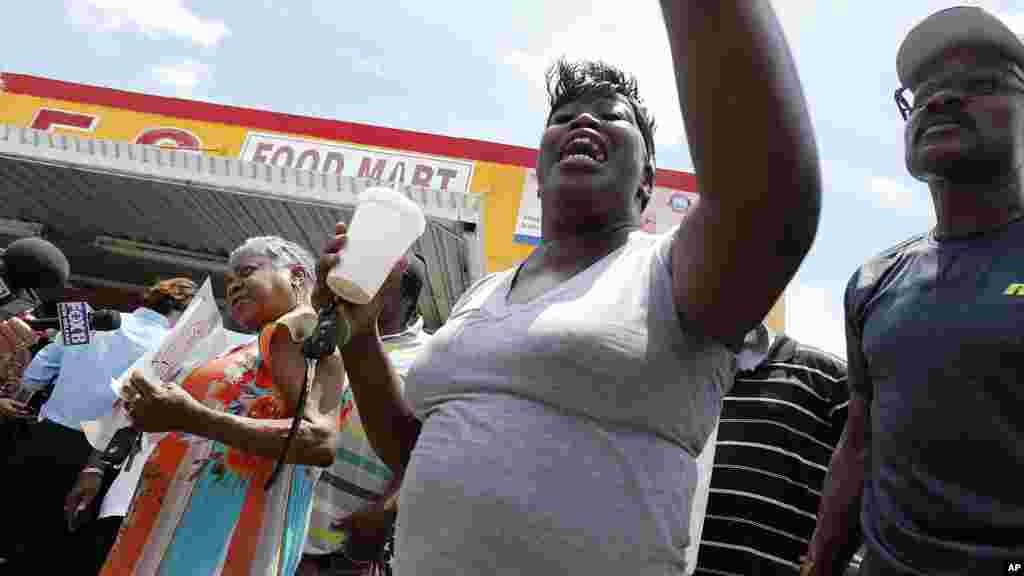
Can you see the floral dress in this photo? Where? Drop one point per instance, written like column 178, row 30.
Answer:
column 201, row 508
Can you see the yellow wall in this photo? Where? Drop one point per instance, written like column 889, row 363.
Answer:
column 501, row 186
column 122, row 125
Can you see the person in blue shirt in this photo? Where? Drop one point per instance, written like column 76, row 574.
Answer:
column 45, row 465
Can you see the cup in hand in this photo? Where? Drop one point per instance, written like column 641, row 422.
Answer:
column 384, row 226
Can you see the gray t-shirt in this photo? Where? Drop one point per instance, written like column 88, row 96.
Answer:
column 936, row 344
column 560, row 436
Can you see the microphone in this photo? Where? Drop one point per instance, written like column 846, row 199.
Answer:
column 25, row 266
column 76, row 321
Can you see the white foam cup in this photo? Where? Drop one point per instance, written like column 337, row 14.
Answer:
column 384, row 226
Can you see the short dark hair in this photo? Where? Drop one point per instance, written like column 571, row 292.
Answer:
column 169, row 295
column 413, row 279
column 569, row 81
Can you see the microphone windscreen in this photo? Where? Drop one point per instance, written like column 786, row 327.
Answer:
column 106, row 320
column 35, row 263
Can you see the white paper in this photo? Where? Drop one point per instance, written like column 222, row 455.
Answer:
column 200, row 320
column 196, row 337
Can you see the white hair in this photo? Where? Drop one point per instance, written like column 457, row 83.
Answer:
column 282, row 253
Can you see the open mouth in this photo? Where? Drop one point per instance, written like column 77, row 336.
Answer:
column 584, row 148
column 938, row 126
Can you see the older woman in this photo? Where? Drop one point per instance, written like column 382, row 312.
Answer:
column 202, row 507
column 551, row 426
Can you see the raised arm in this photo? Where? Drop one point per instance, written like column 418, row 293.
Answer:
column 756, row 161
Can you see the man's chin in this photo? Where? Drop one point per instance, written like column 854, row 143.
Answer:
column 944, row 164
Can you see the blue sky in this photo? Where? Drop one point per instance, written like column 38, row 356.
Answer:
column 474, row 69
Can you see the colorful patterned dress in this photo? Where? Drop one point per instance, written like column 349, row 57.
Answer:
column 201, row 508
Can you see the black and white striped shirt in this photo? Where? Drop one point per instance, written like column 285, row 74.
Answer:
column 779, row 425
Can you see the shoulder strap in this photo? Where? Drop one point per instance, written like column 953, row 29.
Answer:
column 300, row 323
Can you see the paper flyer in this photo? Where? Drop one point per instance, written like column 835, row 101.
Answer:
column 196, row 337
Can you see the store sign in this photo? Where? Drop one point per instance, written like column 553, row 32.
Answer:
column 346, row 160
column 48, row 119
column 528, row 219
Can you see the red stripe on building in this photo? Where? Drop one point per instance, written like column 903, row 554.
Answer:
column 336, row 130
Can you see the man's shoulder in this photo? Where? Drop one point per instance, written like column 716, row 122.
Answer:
column 871, row 275
column 875, row 267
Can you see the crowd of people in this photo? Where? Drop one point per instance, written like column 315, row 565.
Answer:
column 552, row 425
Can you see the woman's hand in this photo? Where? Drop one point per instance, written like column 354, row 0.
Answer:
column 82, row 495
column 361, row 319
column 157, row 407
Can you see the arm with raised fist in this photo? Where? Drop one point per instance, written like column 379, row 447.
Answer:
column 742, row 102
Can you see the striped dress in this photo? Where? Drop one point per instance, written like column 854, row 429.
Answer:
column 201, row 508
column 780, row 423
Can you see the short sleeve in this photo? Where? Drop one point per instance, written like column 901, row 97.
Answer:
column 664, row 290
column 858, row 376
column 474, row 288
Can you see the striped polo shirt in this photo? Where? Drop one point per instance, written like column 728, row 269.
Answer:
column 358, row 477
column 779, row 425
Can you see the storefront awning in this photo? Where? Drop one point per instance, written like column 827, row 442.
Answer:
column 125, row 214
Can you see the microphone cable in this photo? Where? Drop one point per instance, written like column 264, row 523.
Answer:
column 317, row 347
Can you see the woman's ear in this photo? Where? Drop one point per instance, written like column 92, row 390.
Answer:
column 298, row 276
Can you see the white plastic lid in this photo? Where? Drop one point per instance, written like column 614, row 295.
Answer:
column 393, row 198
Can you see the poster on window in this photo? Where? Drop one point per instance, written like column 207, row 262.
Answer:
column 666, row 209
